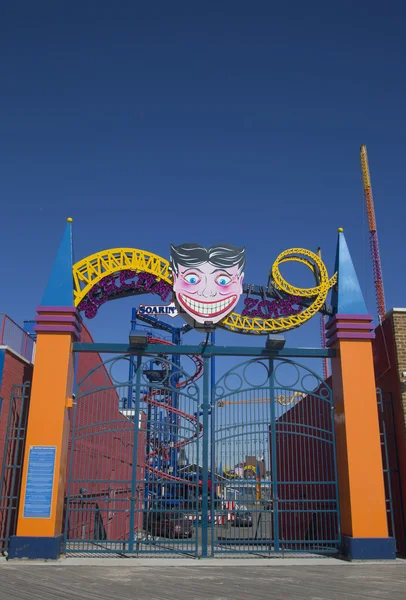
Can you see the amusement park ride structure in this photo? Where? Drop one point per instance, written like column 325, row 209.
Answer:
column 375, row 254
column 162, row 459
column 163, row 443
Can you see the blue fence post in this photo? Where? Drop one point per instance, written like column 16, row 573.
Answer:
column 274, row 462
column 213, row 494
column 176, row 339
column 205, row 474
column 130, row 401
column 148, row 443
column 72, row 419
column 133, row 498
column 333, row 434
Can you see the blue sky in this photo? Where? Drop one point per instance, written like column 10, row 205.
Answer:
column 151, row 123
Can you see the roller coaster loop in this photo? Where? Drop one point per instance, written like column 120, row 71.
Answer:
column 151, row 399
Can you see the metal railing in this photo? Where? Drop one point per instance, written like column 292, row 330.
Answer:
column 391, row 470
column 14, row 336
column 11, row 471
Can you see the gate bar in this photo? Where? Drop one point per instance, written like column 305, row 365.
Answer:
column 205, row 470
column 274, row 461
column 206, row 350
column 134, row 490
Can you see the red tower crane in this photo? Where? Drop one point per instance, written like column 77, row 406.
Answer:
column 376, row 259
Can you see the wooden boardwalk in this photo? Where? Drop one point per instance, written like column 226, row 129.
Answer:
column 19, row 581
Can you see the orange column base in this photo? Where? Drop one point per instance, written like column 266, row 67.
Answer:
column 359, row 457
column 45, row 460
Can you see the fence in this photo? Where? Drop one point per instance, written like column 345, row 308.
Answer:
column 13, row 336
column 11, row 471
column 390, row 461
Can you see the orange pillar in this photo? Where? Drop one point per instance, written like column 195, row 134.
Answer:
column 41, row 509
column 359, row 459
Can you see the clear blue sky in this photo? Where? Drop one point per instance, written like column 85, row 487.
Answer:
column 158, row 122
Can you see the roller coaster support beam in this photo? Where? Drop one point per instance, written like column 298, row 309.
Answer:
column 176, row 333
column 130, row 401
column 162, row 325
column 212, row 414
column 176, row 339
column 206, row 350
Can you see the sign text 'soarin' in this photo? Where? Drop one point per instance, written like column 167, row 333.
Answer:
column 153, row 310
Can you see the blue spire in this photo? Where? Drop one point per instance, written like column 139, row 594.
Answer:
column 347, row 297
column 59, row 290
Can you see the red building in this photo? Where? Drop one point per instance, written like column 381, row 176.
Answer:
column 100, row 467
column 17, row 350
column 306, row 489
column 390, row 372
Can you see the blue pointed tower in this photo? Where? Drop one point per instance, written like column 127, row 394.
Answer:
column 57, row 312
column 347, row 297
column 59, row 290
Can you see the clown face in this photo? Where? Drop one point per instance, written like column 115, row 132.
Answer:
column 208, row 290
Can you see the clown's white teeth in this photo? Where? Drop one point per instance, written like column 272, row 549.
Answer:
column 208, row 308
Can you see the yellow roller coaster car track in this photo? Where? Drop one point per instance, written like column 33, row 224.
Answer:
column 90, row 270
column 236, row 322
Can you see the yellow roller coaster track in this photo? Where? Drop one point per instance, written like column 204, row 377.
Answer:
column 236, row 322
column 92, row 269
column 89, row 271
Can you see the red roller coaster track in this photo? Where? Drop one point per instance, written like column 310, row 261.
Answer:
column 150, row 399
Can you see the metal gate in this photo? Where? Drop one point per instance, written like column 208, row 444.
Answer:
column 274, row 460
column 162, row 463
column 11, row 471
column 135, row 438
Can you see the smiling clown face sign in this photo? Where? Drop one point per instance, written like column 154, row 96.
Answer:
column 207, row 281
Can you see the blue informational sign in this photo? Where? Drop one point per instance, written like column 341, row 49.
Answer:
column 40, row 482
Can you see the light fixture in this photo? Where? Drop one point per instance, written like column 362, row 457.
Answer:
column 209, row 326
column 138, row 338
column 275, row 342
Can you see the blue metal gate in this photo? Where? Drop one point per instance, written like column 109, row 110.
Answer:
column 274, row 461
column 132, row 489
column 162, row 463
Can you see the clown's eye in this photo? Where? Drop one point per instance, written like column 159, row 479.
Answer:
column 192, row 278
column 223, row 280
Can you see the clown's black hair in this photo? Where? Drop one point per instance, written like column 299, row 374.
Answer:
column 221, row 255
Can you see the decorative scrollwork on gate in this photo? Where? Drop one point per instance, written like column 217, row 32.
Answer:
column 122, row 372
column 283, row 375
